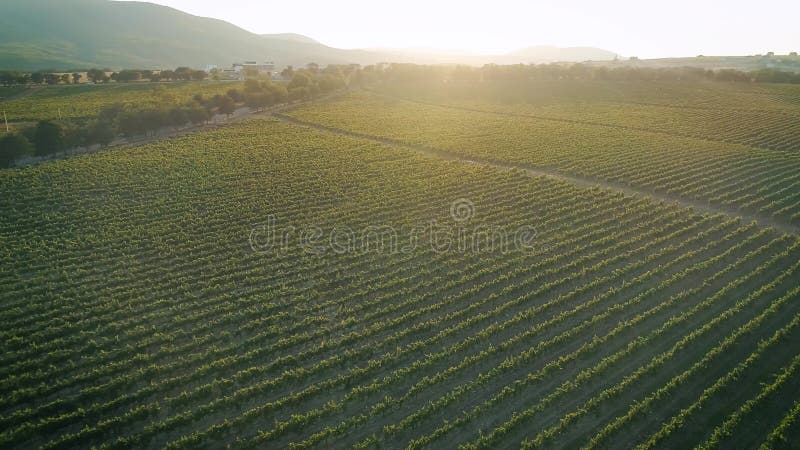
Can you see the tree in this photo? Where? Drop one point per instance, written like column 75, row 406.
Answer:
column 252, row 85
column 198, row 75
column 299, row 80
column 97, row 75
column 74, row 136
column 7, row 78
column 279, row 93
column 125, row 76
column 100, row 132
column 793, row 54
column 52, row 78
column 109, row 113
column 65, row 78
column 328, row 83
column 288, row 72
column 299, row 93
column 12, row 147
column 153, row 119
column 37, row 77
column 177, row 117
column 258, row 100
column 197, row 114
column 167, row 75
column 130, row 123
column 76, row 78
column 312, row 67
column 48, row 138
column 235, row 95
column 225, row 104
column 183, row 73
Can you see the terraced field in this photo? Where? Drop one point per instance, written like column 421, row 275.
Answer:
column 409, row 301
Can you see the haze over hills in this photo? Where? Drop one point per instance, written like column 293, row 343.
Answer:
column 102, row 33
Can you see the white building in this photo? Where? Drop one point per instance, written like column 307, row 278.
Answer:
column 265, row 68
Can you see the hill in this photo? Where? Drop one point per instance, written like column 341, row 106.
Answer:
column 549, row 53
column 789, row 63
column 124, row 34
column 88, row 33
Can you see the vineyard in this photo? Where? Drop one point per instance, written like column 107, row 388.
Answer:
column 638, row 151
column 766, row 118
column 142, row 309
column 84, row 101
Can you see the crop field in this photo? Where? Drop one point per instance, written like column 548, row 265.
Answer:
column 759, row 116
column 719, row 155
column 416, row 267
column 85, row 100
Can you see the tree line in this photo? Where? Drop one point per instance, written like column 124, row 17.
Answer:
column 581, row 71
column 94, row 75
column 49, row 137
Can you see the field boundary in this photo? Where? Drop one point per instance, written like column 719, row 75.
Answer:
column 167, row 133
column 531, row 170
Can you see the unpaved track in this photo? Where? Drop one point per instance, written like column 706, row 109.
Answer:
column 276, row 112
column 700, row 206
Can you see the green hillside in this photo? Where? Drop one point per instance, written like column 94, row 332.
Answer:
column 125, row 34
column 87, row 33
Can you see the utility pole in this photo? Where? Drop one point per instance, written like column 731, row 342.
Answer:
column 5, row 119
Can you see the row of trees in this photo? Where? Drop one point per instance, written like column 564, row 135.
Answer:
column 49, row 137
column 306, row 83
column 179, row 74
column 9, row 78
column 410, row 72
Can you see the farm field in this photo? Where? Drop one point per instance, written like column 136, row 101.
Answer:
column 412, row 267
column 85, row 100
column 763, row 116
column 646, row 146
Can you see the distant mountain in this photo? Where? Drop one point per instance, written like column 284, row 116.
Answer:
column 788, row 63
column 294, row 37
column 74, row 34
column 531, row 55
column 548, row 53
column 40, row 34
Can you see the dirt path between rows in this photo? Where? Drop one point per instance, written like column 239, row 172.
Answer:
column 277, row 113
column 700, row 206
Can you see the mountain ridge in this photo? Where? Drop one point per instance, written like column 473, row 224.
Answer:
column 128, row 34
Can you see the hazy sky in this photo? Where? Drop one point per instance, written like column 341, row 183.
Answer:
column 631, row 28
